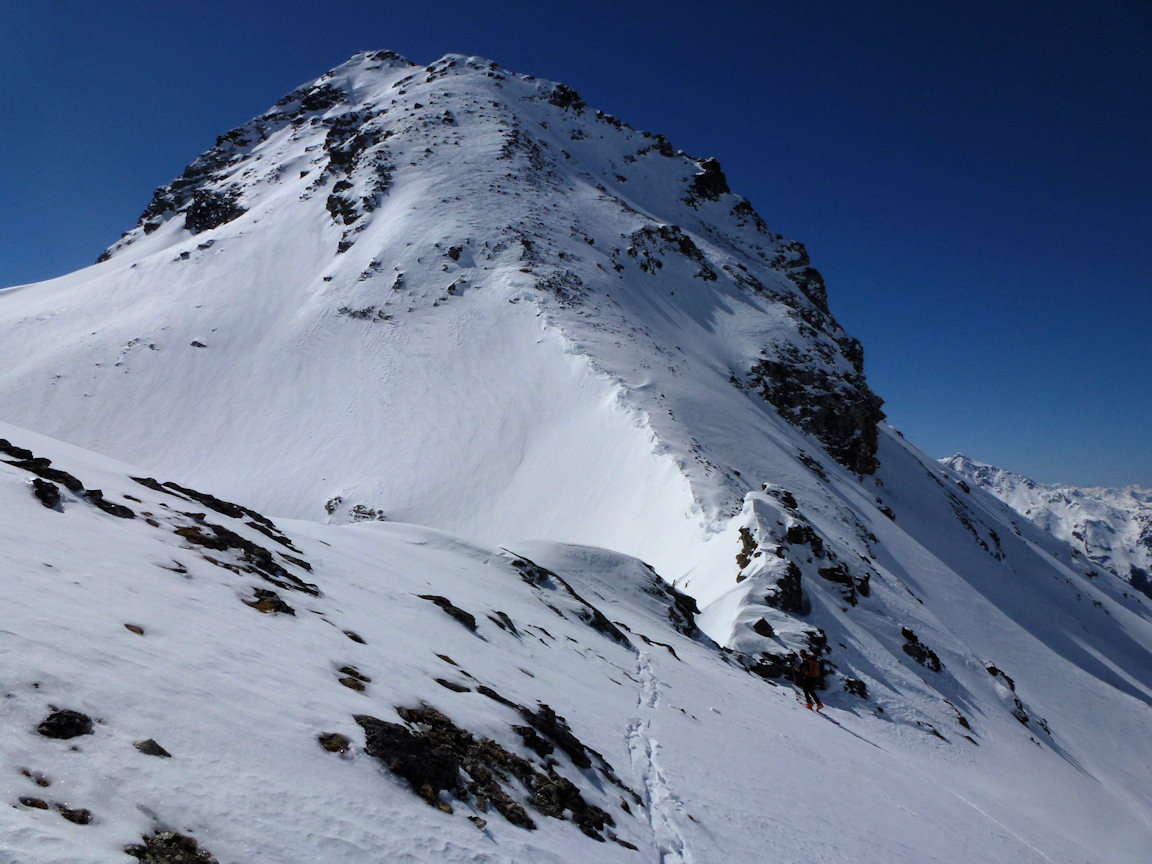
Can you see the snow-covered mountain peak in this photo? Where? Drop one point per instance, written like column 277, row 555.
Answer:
column 526, row 235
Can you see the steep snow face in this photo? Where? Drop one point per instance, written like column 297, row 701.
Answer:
column 286, row 691
column 452, row 295
column 1110, row 527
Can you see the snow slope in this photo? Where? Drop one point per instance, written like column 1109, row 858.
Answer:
column 1111, row 527
column 713, row 762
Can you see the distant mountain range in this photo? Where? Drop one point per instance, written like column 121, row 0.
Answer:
column 1110, row 527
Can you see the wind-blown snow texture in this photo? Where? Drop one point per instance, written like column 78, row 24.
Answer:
column 1111, row 527
column 458, row 298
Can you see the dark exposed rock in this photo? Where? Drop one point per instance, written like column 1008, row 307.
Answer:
column 227, row 508
column 995, row 672
column 169, row 847
column 427, row 762
column 355, row 637
column 454, row 686
column 555, row 727
column 840, row 411
column 135, row 628
column 269, row 602
column 334, row 742
column 768, row 666
column 800, row 533
column 96, row 497
column 540, row 746
column 710, row 183
column 150, row 748
column 321, row 98
column 918, row 651
column 79, row 815
column 465, row 618
column 787, row 595
column 763, row 628
column 542, row 578
column 65, row 724
column 47, row 493
column 40, row 466
column 10, row 449
column 747, row 547
column 435, row 755
column 856, row 687
column 37, row 803
column 258, row 559
column 211, row 209
column 563, row 96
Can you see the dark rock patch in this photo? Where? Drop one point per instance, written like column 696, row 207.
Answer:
column 354, row 637
column 465, row 618
column 837, row 409
column 710, row 183
column 787, row 594
column 454, row 686
column 135, row 628
column 169, row 847
column 41, row 467
column 501, row 620
column 96, row 497
column 47, row 493
column 764, row 629
column 65, row 724
column 37, row 803
column 748, row 545
column 211, row 209
column 856, row 687
column 79, row 815
column 334, row 742
column 918, row 651
column 544, row 579
column 435, row 755
column 258, row 559
column 10, row 449
column 150, row 748
column 269, row 602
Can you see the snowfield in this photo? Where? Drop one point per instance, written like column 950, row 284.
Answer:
column 445, row 471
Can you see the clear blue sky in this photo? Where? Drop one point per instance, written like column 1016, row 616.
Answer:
column 974, row 179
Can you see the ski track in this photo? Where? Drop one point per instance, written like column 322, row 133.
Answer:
column 661, row 803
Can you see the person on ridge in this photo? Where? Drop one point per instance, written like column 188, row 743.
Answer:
column 806, row 671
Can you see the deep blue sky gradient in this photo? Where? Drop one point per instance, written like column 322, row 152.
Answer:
column 973, row 179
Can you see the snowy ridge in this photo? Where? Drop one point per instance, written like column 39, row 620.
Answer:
column 1110, row 527
column 529, row 390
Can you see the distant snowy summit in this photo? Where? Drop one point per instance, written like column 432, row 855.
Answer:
column 1111, row 527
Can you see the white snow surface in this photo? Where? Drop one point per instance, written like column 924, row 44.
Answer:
column 1111, row 527
column 726, row 766
column 491, row 346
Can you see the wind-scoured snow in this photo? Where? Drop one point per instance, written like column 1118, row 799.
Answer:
column 519, row 407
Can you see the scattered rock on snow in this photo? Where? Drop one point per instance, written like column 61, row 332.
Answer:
column 334, row 742
column 79, row 815
column 465, row 618
column 47, row 493
column 65, row 724
column 169, row 847
column 150, row 748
